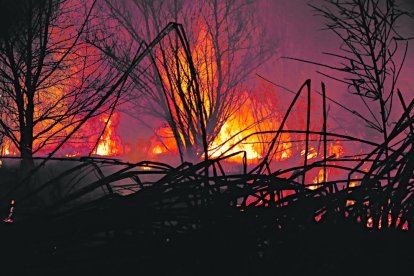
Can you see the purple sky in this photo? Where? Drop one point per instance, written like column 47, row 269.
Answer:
column 298, row 34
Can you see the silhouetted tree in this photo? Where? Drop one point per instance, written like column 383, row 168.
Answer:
column 372, row 54
column 226, row 44
column 49, row 77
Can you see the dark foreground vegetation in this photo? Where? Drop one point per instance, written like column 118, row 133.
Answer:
column 111, row 240
column 104, row 216
column 196, row 219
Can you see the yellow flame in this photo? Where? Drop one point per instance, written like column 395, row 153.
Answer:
column 318, row 179
column 336, row 149
column 312, row 153
column 158, row 149
column 350, row 202
column 73, row 154
column 229, row 135
column 107, row 145
column 8, row 148
column 239, row 125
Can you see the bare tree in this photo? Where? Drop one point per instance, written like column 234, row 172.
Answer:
column 49, row 77
column 226, row 45
column 371, row 59
column 370, row 56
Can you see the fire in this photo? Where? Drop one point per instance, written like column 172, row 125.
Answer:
column 350, row 201
column 163, row 142
column 286, row 151
column 312, row 153
column 53, row 102
column 336, row 149
column 8, row 148
column 74, row 154
column 109, row 143
column 229, row 136
column 320, row 178
column 158, row 149
column 370, row 223
column 229, row 130
column 245, row 123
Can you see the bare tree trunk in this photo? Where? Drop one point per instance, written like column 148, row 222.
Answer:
column 26, row 147
column 198, row 100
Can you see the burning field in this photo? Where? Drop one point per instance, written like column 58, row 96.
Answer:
column 130, row 142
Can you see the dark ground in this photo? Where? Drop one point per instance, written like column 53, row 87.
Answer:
column 242, row 245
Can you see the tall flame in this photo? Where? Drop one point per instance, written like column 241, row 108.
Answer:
column 109, row 143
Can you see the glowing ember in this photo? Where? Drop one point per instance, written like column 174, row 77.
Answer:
column 370, row 223
column 74, row 154
column 350, row 201
column 10, row 217
column 334, row 149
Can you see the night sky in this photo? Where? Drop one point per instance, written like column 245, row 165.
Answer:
column 299, row 34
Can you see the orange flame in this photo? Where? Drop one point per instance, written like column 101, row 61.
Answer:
column 312, row 153
column 109, row 143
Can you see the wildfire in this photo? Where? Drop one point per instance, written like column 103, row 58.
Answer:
column 230, row 134
column 109, row 143
column 245, row 123
column 8, row 148
column 334, row 149
column 230, row 138
column 230, row 130
column 312, row 153
column 74, row 154
column 158, row 149
column 370, row 223
column 320, row 178
column 350, row 201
